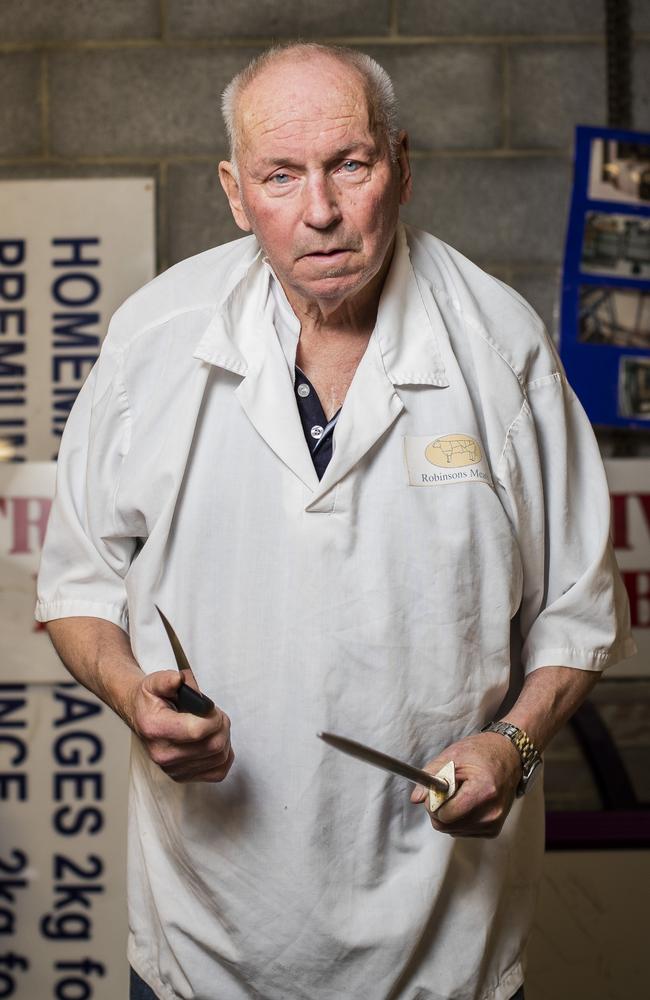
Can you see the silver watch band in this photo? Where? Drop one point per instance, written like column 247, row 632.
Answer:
column 528, row 752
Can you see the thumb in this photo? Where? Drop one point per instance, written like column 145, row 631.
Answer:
column 163, row 683
column 419, row 794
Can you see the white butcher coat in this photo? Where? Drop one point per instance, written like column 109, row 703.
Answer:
column 458, row 539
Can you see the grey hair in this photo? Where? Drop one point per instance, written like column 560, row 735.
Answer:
column 382, row 103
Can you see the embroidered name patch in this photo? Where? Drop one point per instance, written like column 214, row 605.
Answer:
column 445, row 459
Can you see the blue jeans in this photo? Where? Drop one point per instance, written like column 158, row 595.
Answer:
column 140, row 991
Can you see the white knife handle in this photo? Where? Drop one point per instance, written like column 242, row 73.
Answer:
column 436, row 798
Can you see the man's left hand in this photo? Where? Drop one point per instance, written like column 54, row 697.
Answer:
column 488, row 770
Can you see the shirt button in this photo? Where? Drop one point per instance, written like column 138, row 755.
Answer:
column 303, row 389
column 316, row 431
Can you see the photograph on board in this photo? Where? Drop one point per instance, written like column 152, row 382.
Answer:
column 634, row 387
column 616, row 245
column 613, row 315
column 619, row 171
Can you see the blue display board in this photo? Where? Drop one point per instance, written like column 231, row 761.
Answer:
column 605, row 306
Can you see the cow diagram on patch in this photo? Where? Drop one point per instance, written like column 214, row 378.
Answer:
column 453, row 451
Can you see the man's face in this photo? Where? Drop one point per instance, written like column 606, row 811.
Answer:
column 317, row 184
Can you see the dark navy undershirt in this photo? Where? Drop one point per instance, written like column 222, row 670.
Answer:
column 319, row 432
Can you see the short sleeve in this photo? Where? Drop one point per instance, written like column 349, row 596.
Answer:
column 84, row 558
column 574, row 610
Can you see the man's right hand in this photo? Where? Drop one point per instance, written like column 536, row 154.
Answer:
column 187, row 747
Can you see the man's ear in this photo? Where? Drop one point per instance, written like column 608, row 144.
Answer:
column 406, row 179
column 230, row 184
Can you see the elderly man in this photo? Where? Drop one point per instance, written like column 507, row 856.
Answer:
column 346, row 464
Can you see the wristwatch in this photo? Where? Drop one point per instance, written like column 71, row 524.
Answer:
column 530, row 756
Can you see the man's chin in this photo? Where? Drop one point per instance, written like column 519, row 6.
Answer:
column 334, row 281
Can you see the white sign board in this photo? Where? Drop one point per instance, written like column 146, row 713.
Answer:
column 63, row 767
column 70, row 252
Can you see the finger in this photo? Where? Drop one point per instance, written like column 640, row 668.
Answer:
column 484, row 819
column 204, row 770
column 167, row 754
column 163, row 683
column 160, row 724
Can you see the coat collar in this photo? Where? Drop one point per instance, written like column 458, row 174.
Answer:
column 405, row 334
column 402, row 350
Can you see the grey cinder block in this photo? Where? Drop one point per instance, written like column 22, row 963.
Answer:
column 20, row 108
column 640, row 15
column 449, row 95
column 494, row 209
column 198, row 213
column 140, row 102
column 65, row 20
column 641, row 86
column 553, row 88
column 290, row 18
column 501, row 17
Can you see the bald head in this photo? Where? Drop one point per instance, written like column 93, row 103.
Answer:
column 241, row 98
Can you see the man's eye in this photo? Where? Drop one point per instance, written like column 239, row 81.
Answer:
column 280, row 179
column 351, row 166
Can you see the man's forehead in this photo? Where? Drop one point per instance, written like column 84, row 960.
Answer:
column 291, row 94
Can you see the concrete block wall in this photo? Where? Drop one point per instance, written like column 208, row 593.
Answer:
column 489, row 92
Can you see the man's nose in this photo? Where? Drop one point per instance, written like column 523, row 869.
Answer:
column 321, row 206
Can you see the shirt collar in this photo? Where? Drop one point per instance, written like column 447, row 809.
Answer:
column 405, row 332
column 285, row 321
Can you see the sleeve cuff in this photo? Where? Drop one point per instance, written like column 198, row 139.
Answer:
column 117, row 613
column 580, row 659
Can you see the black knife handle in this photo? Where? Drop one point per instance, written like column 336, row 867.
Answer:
column 189, row 700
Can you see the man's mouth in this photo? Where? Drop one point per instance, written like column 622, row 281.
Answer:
column 327, row 254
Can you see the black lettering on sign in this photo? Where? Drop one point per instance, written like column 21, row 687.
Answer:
column 10, row 702
column 77, row 748
column 8, row 888
column 13, row 866
column 66, row 926
column 12, row 252
column 70, row 748
column 18, row 318
column 76, row 257
column 76, row 289
column 13, row 784
column 71, row 915
column 67, row 333
column 62, row 864
column 70, row 821
column 12, row 286
column 11, row 369
column 75, row 707
column 77, row 987
column 15, row 963
column 20, row 748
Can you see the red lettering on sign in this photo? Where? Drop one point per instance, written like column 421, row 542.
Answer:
column 637, row 584
column 28, row 518
column 620, row 516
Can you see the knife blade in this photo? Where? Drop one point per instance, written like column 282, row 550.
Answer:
column 386, row 762
column 187, row 699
